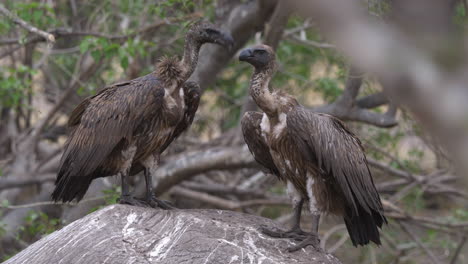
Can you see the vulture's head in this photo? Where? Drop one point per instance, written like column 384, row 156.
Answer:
column 204, row 32
column 260, row 56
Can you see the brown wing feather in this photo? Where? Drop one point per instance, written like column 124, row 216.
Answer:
column 326, row 142
column 257, row 145
column 192, row 94
column 101, row 122
column 337, row 152
column 75, row 116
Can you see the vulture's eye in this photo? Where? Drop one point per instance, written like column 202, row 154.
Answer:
column 260, row 51
column 210, row 31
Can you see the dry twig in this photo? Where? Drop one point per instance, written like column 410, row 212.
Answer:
column 26, row 25
column 458, row 250
column 223, row 203
column 413, row 237
column 51, row 203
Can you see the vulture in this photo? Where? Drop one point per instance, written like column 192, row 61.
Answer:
column 125, row 127
column 321, row 161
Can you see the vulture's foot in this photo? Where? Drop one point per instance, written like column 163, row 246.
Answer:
column 296, row 233
column 310, row 240
column 158, row 203
column 128, row 199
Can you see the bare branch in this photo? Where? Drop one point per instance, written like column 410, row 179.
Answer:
column 223, row 203
column 9, row 51
column 462, row 242
column 26, row 25
column 15, row 183
column 185, row 166
column 432, row 183
column 353, row 85
column 384, row 167
column 339, row 243
column 66, row 94
column 397, row 213
column 346, row 108
column 311, row 43
column 221, row 189
column 329, row 233
column 301, row 28
column 51, row 203
column 64, row 33
column 410, row 233
column 275, row 26
column 372, row 101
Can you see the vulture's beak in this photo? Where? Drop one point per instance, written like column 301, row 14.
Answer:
column 246, row 54
column 222, row 38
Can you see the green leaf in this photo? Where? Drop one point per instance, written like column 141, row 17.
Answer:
column 37, row 15
column 110, row 49
column 96, row 54
column 124, row 62
column 329, row 88
column 85, row 44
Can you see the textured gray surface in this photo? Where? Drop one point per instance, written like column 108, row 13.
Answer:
column 128, row 234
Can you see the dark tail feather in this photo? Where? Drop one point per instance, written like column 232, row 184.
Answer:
column 68, row 188
column 362, row 228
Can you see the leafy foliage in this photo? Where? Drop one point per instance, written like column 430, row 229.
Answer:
column 38, row 224
column 14, row 86
column 329, row 88
column 41, row 15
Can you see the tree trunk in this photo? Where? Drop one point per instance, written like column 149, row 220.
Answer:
column 129, row 234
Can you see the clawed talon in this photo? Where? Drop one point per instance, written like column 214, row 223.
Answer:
column 127, row 199
column 310, row 240
column 153, row 202
column 304, row 238
column 158, row 203
column 295, row 233
column 165, row 205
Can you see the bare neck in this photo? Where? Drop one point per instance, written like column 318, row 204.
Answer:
column 260, row 92
column 190, row 58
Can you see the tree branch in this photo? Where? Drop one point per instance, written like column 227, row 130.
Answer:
column 221, row 189
column 223, row 203
column 311, row 43
column 30, row 205
column 26, row 25
column 64, row 33
column 462, row 242
column 15, row 183
column 346, row 108
column 372, row 101
column 275, row 26
column 431, row 255
column 74, row 84
column 183, row 167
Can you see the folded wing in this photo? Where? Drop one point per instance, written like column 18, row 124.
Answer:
column 326, row 142
column 102, row 122
column 257, row 145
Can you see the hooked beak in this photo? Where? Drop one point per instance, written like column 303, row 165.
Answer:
column 245, row 54
column 223, row 38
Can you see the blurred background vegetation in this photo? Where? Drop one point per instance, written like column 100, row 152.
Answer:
column 102, row 42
